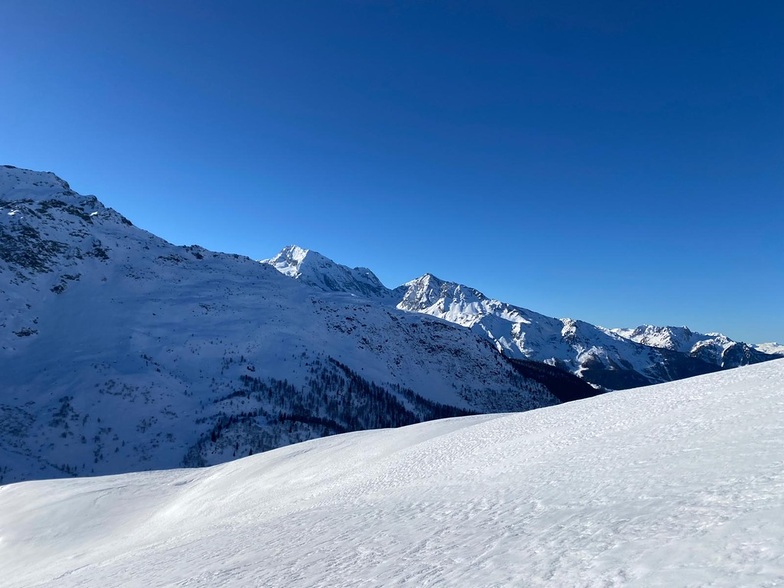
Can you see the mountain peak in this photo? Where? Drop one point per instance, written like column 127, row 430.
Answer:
column 714, row 348
column 290, row 259
column 431, row 281
column 450, row 300
column 44, row 224
column 315, row 269
column 771, row 348
column 24, row 184
column 680, row 339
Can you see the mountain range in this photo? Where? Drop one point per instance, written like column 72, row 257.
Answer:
column 607, row 358
column 120, row 351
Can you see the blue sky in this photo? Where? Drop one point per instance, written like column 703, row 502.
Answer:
column 617, row 162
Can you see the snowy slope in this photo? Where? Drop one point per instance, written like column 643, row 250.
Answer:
column 712, row 347
column 679, row 484
column 121, row 352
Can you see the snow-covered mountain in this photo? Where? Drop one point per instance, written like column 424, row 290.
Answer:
column 314, row 269
column 770, row 348
column 588, row 351
column 614, row 359
column 120, row 351
column 679, row 484
column 712, row 347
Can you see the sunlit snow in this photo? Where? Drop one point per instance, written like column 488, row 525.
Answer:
column 680, row 484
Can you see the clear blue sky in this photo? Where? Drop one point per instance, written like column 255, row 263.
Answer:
column 618, row 162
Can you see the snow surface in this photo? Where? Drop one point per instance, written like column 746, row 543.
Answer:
column 679, row 484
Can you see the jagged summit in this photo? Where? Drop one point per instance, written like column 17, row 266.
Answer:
column 448, row 300
column 314, row 269
column 291, row 258
column 45, row 224
column 669, row 337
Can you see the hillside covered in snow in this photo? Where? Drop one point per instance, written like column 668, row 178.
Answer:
column 678, row 484
column 120, row 351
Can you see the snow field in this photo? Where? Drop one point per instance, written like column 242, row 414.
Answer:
column 680, row 484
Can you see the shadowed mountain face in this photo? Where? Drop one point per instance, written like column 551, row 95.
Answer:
column 120, row 351
column 613, row 359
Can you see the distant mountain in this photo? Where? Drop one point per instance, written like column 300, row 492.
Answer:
column 712, row 347
column 314, row 269
column 588, row 351
column 121, row 352
column 605, row 358
column 770, row 348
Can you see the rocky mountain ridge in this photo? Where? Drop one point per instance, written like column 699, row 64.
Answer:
column 714, row 348
column 608, row 358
